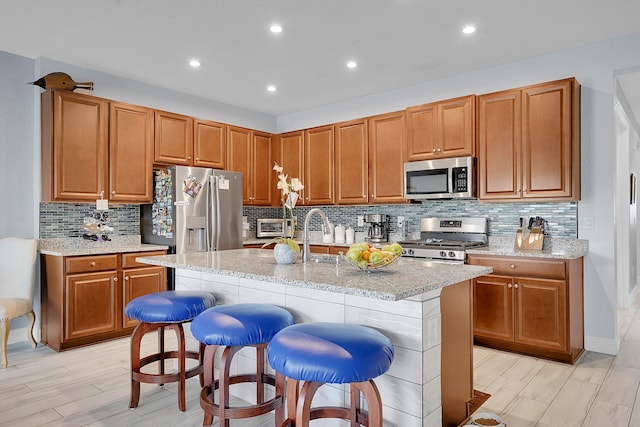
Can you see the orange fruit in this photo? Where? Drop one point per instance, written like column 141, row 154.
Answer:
column 365, row 255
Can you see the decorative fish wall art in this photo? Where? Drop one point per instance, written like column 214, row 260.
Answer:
column 59, row 80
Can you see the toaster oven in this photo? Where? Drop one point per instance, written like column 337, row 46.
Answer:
column 270, row 227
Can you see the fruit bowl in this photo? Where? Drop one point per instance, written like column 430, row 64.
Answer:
column 371, row 267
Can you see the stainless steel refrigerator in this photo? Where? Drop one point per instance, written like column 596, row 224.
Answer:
column 193, row 210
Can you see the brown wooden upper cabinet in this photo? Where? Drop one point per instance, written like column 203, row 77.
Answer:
column 441, row 129
column 209, row 144
column 173, row 139
column 352, row 167
column 319, row 166
column 92, row 148
column 130, row 153
column 529, row 143
column 387, row 133
column 249, row 152
column 288, row 152
column 308, row 155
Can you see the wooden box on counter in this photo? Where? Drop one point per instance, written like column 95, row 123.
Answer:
column 83, row 297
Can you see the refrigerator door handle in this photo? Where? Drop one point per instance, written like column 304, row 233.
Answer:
column 207, row 215
column 217, row 227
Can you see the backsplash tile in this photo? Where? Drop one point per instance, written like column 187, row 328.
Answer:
column 561, row 218
column 66, row 219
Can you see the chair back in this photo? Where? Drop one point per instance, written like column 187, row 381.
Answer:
column 17, row 267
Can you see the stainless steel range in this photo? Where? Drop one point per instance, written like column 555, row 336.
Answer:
column 445, row 239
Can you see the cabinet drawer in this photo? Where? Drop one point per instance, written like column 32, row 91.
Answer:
column 335, row 250
column 517, row 266
column 91, row 263
column 129, row 260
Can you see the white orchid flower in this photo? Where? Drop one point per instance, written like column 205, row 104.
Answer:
column 296, row 185
column 283, row 185
column 277, row 168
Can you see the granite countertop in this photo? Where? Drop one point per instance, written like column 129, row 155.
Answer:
column 404, row 279
column 552, row 248
column 75, row 246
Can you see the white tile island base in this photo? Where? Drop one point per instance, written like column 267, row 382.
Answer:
column 411, row 389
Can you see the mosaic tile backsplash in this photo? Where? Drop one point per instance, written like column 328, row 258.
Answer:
column 66, row 219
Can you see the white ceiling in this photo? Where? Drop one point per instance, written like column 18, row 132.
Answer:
column 396, row 42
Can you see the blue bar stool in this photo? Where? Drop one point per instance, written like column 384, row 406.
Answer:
column 313, row 354
column 160, row 311
column 233, row 327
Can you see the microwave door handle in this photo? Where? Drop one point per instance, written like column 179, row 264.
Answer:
column 451, row 181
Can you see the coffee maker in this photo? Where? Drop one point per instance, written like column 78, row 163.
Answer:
column 378, row 228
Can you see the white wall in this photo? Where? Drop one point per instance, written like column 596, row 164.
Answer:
column 594, row 66
column 19, row 212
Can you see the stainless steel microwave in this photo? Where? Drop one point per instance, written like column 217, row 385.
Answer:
column 452, row 178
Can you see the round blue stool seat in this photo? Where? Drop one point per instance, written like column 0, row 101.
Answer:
column 169, row 306
column 330, row 353
column 240, row 324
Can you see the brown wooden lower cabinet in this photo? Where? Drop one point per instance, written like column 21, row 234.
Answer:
column 83, row 297
column 530, row 306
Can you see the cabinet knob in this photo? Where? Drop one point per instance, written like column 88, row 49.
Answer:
column 126, row 277
column 515, row 286
column 509, row 286
column 188, row 157
column 512, row 266
column 115, row 279
column 434, row 150
column 93, row 264
column 197, row 159
column 113, row 192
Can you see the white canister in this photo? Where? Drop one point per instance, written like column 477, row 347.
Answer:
column 351, row 235
column 340, row 233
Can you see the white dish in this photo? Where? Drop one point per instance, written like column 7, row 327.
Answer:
column 488, row 415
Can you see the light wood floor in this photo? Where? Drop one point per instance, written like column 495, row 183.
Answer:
column 598, row 391
column 90, row 387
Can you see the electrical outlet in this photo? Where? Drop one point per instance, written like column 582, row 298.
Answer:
column 400, row 221
column 585, row 222
column 360, row 220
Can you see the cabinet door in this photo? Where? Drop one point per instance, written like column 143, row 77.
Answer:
column 386, row 158
column 540, row 311
column 456, row 127
column 499, row 145
column 141, row 281
column 74, row 151
column 493, row 307
column 173, row 139
column 261, row 169
column 422, row 133
column 209, row 144
column 130, row 153
column 289, row 155
column 546, row 144
column 91, row 304
column 352, row 169
column 318, row 166
column 238, row 157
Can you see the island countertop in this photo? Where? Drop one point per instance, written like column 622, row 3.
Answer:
column 404, row 279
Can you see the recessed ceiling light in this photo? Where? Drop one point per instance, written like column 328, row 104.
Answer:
column 194, row 63
column 469, row 29
column 276, row 28
column 352, row 64
column 271, row 88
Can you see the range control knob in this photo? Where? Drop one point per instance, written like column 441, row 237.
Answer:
column 452, row 254
column 410, row 251
column 443, row 254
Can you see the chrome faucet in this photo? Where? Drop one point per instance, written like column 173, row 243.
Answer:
column 305, row 236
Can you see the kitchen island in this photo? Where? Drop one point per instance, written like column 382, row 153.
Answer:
column 423, row 307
